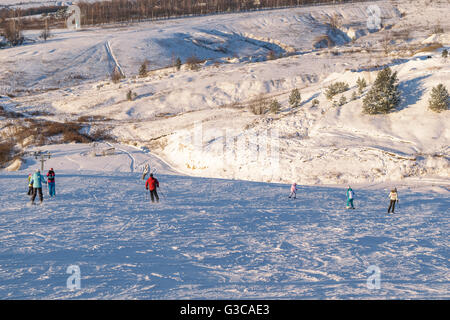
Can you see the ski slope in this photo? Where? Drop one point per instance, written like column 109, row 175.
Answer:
column 216, row 238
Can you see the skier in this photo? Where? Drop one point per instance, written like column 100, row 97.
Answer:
column 151, row 185
column 293, row 191
column 30, row 185
column 350, row 197
column 37, row 179
column 51, row 182
column 393, row 196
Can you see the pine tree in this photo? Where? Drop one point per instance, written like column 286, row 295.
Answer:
column 274, row 106
column 177, row 64
column 445, row 53
column 384, row 96
column 131, row 95
column 295, row 98
column 439, row 100
column 143, row 69
column 342, row 100
column 336, row 88
column 362, row 84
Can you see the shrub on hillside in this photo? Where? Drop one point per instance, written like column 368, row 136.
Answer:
column 315, row 102
column 116, row 75
column 362, row 84
column 12, row 32
column 439, row 100
column 6, row 151
column 295, row 98
column 131, row 95
column 384, row 96
column 274, row 106
column 143, row 69
column 259, row 105
column 336, row 88
column 177, row 64
column 193, row 63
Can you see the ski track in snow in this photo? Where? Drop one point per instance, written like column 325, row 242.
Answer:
column 218, row 239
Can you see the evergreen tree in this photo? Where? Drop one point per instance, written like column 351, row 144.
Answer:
column 336, row 88
column 384, row 96
column 295, row 98
column 445, row 53
column 439, row 100
column 177, row 64
column 362, row 84
column 143, row 69
column 274, row 106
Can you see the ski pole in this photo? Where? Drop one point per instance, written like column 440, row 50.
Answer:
column 162, row 194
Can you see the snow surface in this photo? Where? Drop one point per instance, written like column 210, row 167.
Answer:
column 214, row 238
column 230, row 238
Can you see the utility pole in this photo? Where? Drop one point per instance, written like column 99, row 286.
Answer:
column 42, row 157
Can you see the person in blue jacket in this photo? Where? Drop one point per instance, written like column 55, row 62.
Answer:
column 37, row 179
column 350, row 197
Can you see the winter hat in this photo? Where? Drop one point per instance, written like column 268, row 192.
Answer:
column 151, row 175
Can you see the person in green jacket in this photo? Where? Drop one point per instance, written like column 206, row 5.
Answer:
column 350, row 197
column 37, row 179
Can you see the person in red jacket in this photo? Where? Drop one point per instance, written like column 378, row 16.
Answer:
column 151, row 185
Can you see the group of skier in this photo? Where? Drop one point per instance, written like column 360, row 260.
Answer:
column 393, row 196
column 35, row 182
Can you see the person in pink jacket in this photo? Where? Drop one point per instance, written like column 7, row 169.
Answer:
column 293, row 191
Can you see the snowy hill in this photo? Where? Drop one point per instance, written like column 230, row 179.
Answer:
column 213, row 238
column 63, row 78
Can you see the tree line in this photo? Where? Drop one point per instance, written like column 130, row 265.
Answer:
column 112, row 11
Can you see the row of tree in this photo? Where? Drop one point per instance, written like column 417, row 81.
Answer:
column 110, row 11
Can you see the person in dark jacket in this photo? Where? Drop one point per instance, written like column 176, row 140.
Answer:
column 51, row 182
column 152, row 184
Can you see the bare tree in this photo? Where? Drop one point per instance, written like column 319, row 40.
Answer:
column 45, row 33
column 13, row 32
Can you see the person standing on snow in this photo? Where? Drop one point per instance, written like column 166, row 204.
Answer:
column 293, row 191
column 51, row 182
column 37, row 179
column 151, row 185
column 350, row 197
column 30, row 185
column 393, row 196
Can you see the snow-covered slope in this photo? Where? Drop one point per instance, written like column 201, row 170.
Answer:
column 312, row 145
column 216, row 239
column 90, row 54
